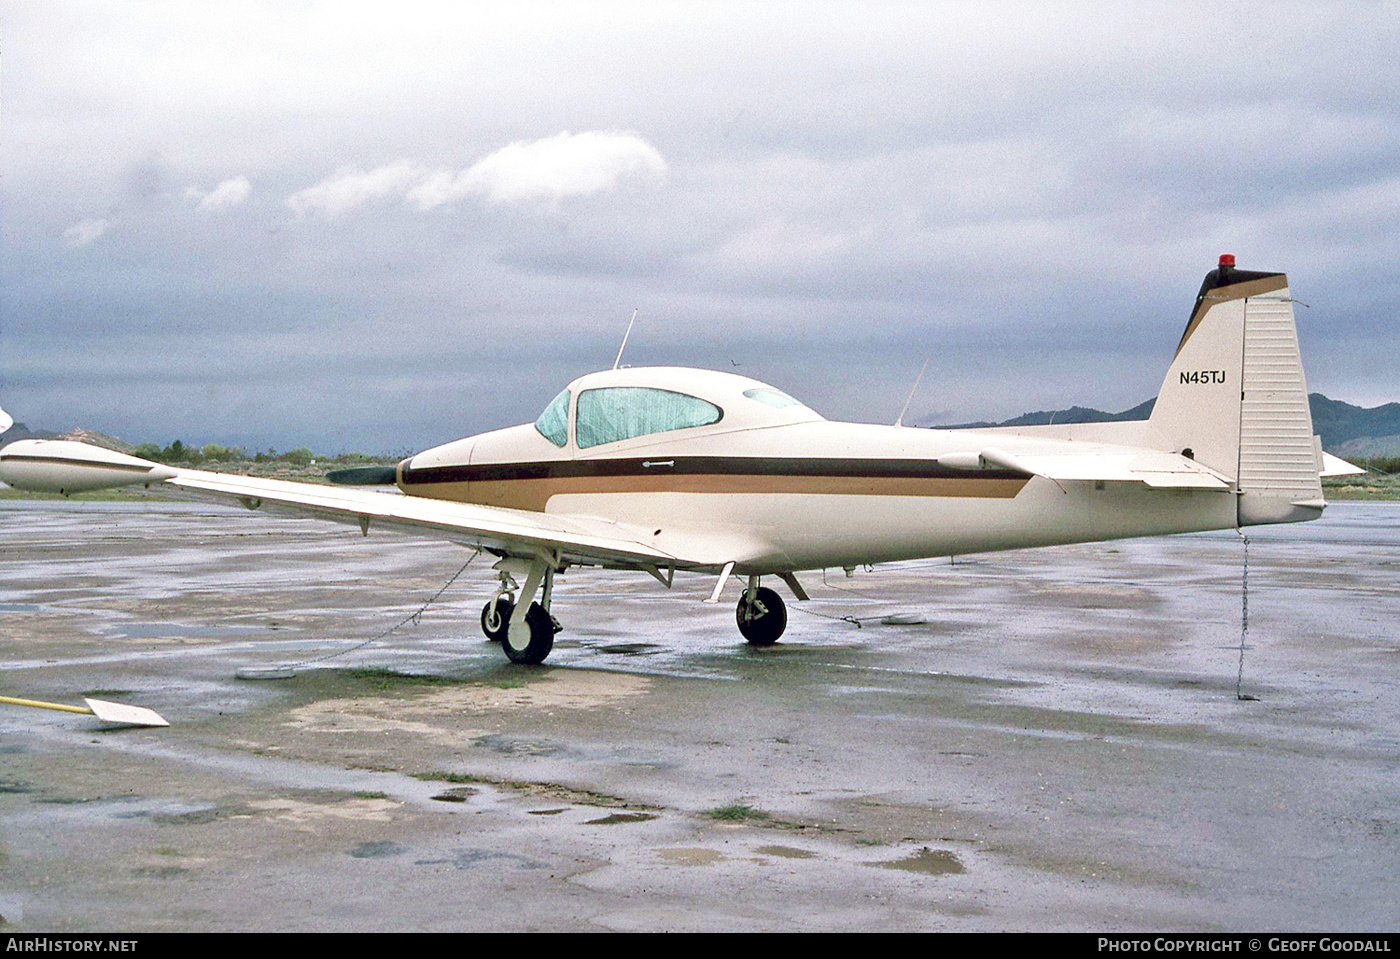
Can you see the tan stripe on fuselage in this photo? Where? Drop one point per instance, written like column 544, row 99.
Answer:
column 534, row 494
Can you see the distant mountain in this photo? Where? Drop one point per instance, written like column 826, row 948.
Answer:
column 1346, row 430
column 21, row 432
column 1075, row 414
column 1353, row 431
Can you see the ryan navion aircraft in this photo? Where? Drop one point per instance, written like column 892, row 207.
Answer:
column 666, row 469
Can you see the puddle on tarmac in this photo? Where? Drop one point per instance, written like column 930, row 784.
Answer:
column 930, row 862
column 457, row 794
column 516, row 747
column 198, row 817
column 471, row 858
column 547, row 812
column 158, row 872
column 786, row 852
column 179, row 631
column 64, row 800
column 691, row 857
column 378, row 850
column 631, row 649
column 621, row 817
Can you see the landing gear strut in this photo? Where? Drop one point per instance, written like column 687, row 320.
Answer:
column 525, row 629
column 761, row 615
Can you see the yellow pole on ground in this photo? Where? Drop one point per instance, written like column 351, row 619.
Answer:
column 36, row 703
column 119, row 713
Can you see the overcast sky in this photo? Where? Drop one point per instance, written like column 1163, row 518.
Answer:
column 382, row 226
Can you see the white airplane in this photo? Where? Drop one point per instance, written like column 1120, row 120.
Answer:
column 666, row 469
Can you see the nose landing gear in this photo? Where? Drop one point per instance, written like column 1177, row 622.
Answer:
column 761, row 615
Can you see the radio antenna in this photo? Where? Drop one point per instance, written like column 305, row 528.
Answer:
column 910, row 399
column 624, row 339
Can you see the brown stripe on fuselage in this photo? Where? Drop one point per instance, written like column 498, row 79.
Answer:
column 534, row 492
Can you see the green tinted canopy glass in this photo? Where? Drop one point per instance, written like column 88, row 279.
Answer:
column 622, row 412
column 553, row 423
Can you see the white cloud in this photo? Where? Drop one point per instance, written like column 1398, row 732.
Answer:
column 85, row 231
column 549, row 170
column 229, row 193
column 350, row 187
column 526, row 171
column 440, row 186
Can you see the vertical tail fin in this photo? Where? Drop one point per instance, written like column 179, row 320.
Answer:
column 1236, row 399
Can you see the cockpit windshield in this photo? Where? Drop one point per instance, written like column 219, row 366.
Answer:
column 622, row 412
column 553, row 423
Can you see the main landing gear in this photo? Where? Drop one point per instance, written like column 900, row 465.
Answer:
column 525, row 630
column 761, row 615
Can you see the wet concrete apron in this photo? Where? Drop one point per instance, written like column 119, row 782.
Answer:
column 1056, row 746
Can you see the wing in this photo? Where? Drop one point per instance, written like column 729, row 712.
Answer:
column 67, row 466
column 511, row 531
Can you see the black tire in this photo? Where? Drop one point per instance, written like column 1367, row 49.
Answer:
column 541, row 629
column 504, row 608
column 762, row 624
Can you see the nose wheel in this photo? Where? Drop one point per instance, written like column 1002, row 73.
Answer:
column 761, row 615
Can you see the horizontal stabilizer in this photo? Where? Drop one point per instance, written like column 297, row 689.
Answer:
column 1096, row 463
column 1161, row 470
column 1336, row 466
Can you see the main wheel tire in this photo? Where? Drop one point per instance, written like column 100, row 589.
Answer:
column 534, row 646
column 495, row 618
column 764, row 621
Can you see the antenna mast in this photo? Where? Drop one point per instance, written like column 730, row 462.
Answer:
column 624, row 339
column 910, row 399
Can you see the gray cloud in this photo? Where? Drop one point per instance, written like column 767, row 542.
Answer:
column 824, row 193
column 86, row 231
